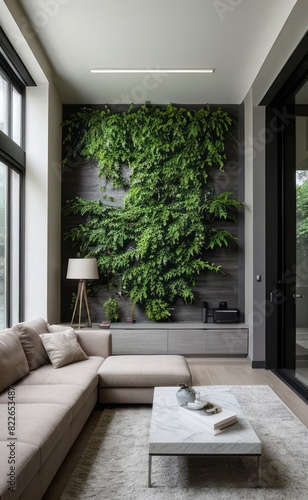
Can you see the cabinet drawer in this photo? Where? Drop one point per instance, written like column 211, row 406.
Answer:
column 139, row 341
column 187, row 342
column 231, row 342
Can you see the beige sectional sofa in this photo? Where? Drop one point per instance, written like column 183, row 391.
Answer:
column 50, row 381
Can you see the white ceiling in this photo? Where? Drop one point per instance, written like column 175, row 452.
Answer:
column 233, row 36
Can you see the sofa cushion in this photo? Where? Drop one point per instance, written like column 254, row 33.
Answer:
column 28, row 333
column 144, row 371
column 63, row 347
column 26, row 466
column 13, row 362
column 82, row 374
column 72, row 396
column 39, row 425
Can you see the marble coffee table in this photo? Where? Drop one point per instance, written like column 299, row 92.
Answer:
column 173, row 434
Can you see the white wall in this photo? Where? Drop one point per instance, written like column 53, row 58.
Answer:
column 36, row 202
column 54, row 207
column 284, row 46
column 43, row 204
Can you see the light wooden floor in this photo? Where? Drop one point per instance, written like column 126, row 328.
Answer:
column 205, row 371
column 237, row 371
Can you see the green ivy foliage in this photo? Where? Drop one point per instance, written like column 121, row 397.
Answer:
column 162, row 235
column 302, row 215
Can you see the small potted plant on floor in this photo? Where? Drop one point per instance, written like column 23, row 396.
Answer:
column 112, row 314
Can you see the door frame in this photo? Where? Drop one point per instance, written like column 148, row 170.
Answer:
column 280, row 202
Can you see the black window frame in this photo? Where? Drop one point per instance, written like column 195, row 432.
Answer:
column 14, row 157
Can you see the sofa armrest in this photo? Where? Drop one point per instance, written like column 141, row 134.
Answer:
column 95, row 343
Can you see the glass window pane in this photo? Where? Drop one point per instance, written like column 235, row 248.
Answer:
column 16, row 118
column 3, row 244
column 4, row 105
column 14, row 246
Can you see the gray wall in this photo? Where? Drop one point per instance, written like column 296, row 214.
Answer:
column 260, row 306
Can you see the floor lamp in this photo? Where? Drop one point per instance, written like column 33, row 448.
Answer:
column 82, row 269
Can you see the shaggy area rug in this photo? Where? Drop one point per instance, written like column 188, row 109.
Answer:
column 114, row 463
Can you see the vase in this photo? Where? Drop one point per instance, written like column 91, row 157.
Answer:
column 184, row 397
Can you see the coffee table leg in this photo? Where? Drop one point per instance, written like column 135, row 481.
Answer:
column 149, row 471
column 259, row 471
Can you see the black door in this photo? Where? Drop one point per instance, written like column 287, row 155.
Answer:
column 287, row 230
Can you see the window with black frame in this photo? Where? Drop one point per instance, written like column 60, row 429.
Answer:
column 13, row 80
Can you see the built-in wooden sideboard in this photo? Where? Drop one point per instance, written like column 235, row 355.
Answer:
column 187, row 338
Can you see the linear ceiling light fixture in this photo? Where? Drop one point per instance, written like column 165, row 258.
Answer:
column 152, row 70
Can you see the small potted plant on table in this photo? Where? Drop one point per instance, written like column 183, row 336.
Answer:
column 186, row 394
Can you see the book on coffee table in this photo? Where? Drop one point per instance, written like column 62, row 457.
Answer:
column 215, row 424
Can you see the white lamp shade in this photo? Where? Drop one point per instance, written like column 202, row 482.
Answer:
column 82, row 269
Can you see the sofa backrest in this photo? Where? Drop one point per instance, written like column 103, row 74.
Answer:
column 95, row 343
column 29, row 336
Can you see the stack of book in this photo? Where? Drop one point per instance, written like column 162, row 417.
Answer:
column 215, row 424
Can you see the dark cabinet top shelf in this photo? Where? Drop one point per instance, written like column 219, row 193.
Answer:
column 181, row 325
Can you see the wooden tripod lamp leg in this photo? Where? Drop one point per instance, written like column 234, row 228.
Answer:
column 81, row 296
column 86, row 303
column 76, row 303
column 80, row 302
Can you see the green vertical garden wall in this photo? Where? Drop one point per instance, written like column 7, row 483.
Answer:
column 161, row 210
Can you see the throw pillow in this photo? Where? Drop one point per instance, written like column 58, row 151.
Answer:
column 13, row 361
column 56, row 328
column 28, row 333
column 63, row 347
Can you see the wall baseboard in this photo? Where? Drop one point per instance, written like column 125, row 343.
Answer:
column 256, row 364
